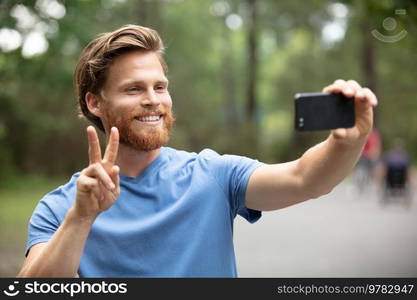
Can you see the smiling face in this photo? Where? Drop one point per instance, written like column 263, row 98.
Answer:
column 135, row 99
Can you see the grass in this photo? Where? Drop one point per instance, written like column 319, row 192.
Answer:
column 18, row 199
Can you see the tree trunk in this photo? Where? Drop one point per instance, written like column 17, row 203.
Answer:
column 368, row 61
column 229, row 81
column 251, row 107
column 251, row 130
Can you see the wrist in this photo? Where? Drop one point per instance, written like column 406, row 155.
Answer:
column 347, row 144
column 79, row 218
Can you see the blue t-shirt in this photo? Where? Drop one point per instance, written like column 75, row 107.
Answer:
column 174, row 220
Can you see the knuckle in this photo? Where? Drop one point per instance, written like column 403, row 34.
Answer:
column 96, row 166
column 82, row 178
column 354, row 84
column 367, row 90
column 86, row 183
column 91, row 184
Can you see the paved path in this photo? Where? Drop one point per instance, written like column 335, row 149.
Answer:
column 340, row 234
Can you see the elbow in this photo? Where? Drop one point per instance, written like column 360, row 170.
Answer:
column 313, row 191
column 23, row 273
column 27, row 272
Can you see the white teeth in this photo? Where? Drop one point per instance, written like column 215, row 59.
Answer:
column 149, row 119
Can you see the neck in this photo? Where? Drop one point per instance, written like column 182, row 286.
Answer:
column 132, row 162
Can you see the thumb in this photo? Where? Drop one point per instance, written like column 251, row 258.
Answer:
column 114, row 174
column 339, row 133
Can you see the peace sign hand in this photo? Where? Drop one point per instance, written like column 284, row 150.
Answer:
column 98, row 185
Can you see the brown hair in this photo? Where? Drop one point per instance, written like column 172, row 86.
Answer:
column 96, row 58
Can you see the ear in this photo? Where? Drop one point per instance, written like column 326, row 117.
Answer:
column 93, row 104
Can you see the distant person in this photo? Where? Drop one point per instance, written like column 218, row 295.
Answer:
column 397, row 165
column 372, row 149
column 145, row 210
column 365, row 168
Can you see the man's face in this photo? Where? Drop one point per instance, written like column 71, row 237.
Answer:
column 135, row 99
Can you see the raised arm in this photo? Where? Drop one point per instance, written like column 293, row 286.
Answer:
column 321, row 167
column 97, row 189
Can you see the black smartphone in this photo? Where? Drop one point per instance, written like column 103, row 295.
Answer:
column 323, row 111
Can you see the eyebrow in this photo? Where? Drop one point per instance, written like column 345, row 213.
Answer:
column 141, row 82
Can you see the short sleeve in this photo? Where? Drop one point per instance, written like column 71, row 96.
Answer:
column 49, row 214
column 232, row 172
column 42, row 225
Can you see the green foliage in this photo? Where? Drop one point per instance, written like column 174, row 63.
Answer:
column 19, row 196
column 208, row 72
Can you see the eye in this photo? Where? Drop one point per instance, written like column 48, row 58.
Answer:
column 160, row 87
column 133, row 89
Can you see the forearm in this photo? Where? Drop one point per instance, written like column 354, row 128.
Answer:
column 62, row 254
column 325, row 165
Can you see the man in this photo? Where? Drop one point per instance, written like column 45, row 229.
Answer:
column 365, row 168
column 143, row 210
column 396, row 164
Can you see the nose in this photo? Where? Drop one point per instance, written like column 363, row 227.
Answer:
column 151, row 99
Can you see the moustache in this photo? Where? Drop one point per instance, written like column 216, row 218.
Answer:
column 153, row 112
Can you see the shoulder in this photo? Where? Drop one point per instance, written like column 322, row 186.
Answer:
column 171, row 152
column 60, row 199
column 208, row 158
column 206, row 161
column 66, row 188
column 175, row 155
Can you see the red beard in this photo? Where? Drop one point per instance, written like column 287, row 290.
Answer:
column 144, row 139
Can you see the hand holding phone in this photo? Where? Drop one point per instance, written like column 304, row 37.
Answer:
column 323, row 111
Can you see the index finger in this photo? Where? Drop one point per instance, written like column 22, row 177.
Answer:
column 113, row 146
column 94, row 152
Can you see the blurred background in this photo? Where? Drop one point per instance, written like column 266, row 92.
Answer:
column 234, row 68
